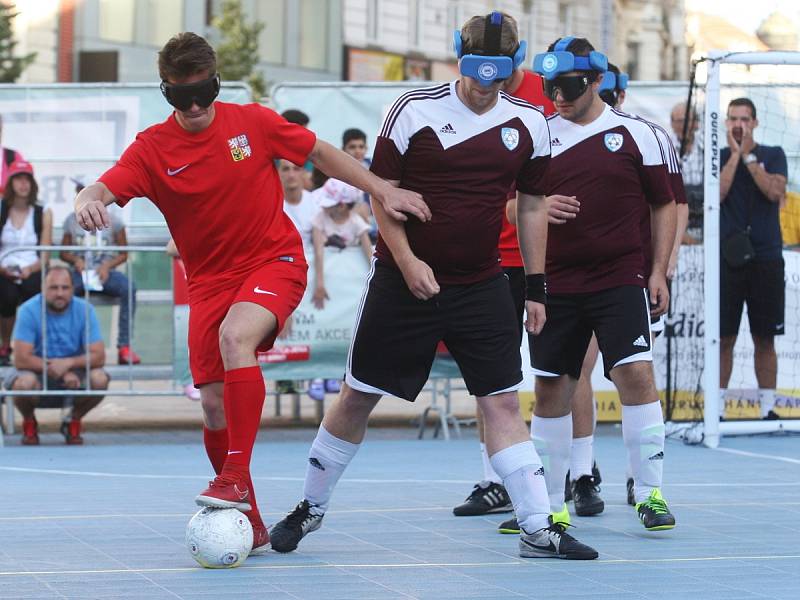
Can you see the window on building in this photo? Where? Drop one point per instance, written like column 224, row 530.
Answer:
column 634, row 49
column 416, row 17
column 373, row 20
column 272, row 13
column 566, row 17
column 161, row 20
column 313, row 33
column 117, row 20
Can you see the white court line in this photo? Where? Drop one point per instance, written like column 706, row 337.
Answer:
column 392, row 565
column 793, row 461
column 377, row 481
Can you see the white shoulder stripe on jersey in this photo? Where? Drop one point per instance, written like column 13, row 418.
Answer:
column 649, row 127
column 431, row 93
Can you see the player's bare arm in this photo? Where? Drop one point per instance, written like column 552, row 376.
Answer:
column 682, row 218
column 90, row 207
column 532, row 231
column 417, row 274
column 663, row 226
column 397, row 202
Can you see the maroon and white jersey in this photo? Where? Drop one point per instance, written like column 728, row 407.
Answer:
column 463, row 165
column 673, row 163
column 614, row 166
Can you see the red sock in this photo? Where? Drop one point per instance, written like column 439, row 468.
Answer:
column 244, row 399
column 216, row 442
column 254, row 515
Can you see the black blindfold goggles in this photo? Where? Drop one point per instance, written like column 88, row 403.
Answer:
column 183, row 95
column 571, row 87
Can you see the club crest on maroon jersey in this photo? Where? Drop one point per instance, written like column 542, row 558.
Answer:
column 613, row 141
column 510, row 137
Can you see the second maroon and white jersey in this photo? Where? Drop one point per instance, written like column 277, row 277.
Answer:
column 614, row 166
column 463, row 165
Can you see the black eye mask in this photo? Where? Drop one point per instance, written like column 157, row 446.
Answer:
column 183, row 95
column 572, row 87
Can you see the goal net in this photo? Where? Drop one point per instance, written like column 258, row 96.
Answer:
column 698, row 407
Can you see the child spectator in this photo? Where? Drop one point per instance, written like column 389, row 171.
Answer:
column 22, row 223
column 336, row 225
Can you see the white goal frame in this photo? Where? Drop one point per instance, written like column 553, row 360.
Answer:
column 713, row 429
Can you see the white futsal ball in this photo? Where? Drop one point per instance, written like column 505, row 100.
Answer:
column 219, row 538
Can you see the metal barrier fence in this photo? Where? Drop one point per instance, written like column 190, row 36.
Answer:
column 438, row 387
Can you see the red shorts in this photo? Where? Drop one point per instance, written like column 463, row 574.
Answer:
column 277, row 286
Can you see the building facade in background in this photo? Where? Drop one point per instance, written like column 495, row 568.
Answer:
column 413, row 39
column 329, row 40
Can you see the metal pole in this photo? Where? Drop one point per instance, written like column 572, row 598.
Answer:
column 711, row 253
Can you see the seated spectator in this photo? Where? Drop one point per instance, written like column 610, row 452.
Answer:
column 298, row 117
column 354, row 142
column 67, row 363
column 22, row 223
column 298, row 202
column 98, row 271
column 336, row 225
column 10, row 156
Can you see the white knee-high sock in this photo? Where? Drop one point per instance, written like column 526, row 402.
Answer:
column 580, row 462
column 553, row 440
column 327, row 460
column 643, row 432
column 489, row 474
column 523, row 477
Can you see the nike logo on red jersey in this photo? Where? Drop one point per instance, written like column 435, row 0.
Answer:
column 258, row 290
column 172, row 172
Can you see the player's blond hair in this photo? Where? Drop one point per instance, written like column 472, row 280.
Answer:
column 473, row 31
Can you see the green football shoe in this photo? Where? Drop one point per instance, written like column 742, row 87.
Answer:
column 654, row 513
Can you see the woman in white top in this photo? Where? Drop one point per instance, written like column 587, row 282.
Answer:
column 22, row 223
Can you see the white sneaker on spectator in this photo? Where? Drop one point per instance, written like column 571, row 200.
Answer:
column 191, row 392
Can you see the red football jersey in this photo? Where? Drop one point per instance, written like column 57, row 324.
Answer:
column 218, row 190
column 531, row 90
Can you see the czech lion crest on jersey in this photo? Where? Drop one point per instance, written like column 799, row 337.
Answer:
column 240, row 147
column 613, row 141
column 510, row 137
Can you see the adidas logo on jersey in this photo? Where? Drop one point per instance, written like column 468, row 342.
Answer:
column 555, row 142
column 659, row 456
column 539, row 471
column 641, row 342
column 447, row 129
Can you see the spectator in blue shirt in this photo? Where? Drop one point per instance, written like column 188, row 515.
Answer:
column 751, row 188
column 67, row 360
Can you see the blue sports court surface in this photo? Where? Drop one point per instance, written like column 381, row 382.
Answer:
column 107, row 520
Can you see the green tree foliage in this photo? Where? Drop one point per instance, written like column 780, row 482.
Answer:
column 237, row 51
column 11, row 67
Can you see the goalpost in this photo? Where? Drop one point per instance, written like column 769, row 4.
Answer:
column 715, row 140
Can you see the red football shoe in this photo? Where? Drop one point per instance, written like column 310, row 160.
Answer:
column 126, row 356
column 71, row 430
column 226, row 491
column 30, row 432
column 260, row 539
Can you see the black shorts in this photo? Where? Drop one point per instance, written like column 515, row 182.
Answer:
column 763, row 287
column 396, row 336
column 516, row 280
column 620, row 317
